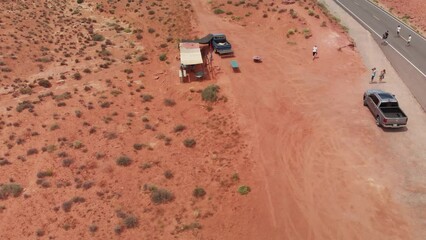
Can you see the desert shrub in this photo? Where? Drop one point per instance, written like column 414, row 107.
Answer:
column 10, row 189
column 40, row 232
column 151, row 12
column 26, row 90
column 93, row 228
column 198, row 192
column 209, row 93
column 218, row 11
column 307, row 33
column 146, row 97
column 189, row 142
column 169, row 102
column 235, row 177
column 32, row 151
column 159, row 196
column 179, row 128
column 142, row 58
column 168, row 174
column 66, row 206
column 139, row 36
column 63, row 96
column 47, row 173
column 163, row 45
column 98, row 37
column 80, row 1
column 290, row 32
column 151, row 30
column 77, row 144
column 78, row 113
column 243, row 190
column 163, row 57
column 67, row 162
column 311, row 13
column 53, row 127
column 86, row 70
column 44, row 83
column 24, row 105
column 77, row 76
column 131, row 221
column 118, row 229
column 128, row 71
column 138, row 146
column 123, row 161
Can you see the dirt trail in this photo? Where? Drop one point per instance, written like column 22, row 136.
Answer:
column 326, row 171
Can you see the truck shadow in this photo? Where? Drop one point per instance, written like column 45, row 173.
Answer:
column 395, row 130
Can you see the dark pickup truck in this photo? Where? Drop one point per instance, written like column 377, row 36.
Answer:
column 385, row 109
column 221, row 45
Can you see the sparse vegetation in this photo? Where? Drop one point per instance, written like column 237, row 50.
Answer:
column 98, row 37
column 209, row 94
column 160, row 196
column 169, row 102
column 131, row 221
column 218, row 11
column 189, row 142
column 179, row 128
column 10, row 190
column 163, row 57
column 244, row 190
column 198, row 192
column 123, row 161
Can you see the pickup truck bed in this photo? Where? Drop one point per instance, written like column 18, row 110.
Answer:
column 393, row 113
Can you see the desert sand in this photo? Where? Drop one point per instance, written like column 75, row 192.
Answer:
column 412, row 12
column 92, row 150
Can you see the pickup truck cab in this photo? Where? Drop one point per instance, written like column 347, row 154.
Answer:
column 385, row 108
column 221, row 44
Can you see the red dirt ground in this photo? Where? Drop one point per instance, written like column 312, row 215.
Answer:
column 281, row 126
column 413, row 9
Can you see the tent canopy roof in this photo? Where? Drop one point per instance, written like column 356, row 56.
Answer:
column 190, row 53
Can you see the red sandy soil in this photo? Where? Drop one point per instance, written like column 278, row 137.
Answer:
column 414, row 9
column 281, row 125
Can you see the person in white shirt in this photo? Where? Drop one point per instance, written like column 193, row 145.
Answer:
column 314, row 52
column 409, row 40
column 398, row 30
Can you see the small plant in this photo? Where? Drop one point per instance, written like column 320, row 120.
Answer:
column 131, row 221
column 235, row 177
column 44, row 83
column 290, row 32
column 54, row 126
column 169, row 102
column 98, row 37
column 146, row 98
column 77, row 144
column 307, row 33
column 93, row 228
column 189, row 142
column 198, row 192
column 179, row 128
column 163, row 57
column 118, row 229
column 80, row 1
column 77, row 76
column 142, row 58
column 311, row 13
column 43, row 174
column 218, row 11
column 168, row 174
column 244, row 190
column 32, row 151
column 24, row 105
column 67, row 162
column 209, row 93
column 138, row 146
column 151, row 30
column 123, row 161
column 159, row 196
column 10, row 189
column 323, row 24
column 66, row 206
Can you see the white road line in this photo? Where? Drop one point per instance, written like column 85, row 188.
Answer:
column 365, row 24
column 378, row 19
column 356, row 3
column 396, row 19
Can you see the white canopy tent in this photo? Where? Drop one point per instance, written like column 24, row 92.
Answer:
column 190, row 53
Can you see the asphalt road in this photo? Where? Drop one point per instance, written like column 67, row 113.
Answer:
column 408, row 61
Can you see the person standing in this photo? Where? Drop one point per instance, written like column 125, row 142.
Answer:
column 398, row 30
column 314, row 52
column 382, row 75
column 373, row 74
column 409, row 40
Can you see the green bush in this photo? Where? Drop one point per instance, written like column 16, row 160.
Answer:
column 10, row 189
column 159, row 196
column 98, row 37
column 244, row 190
column 218, row 11
column 189, row 142
column 123, row 161
column 198, row 192
column 163, row 57
column 209, row 93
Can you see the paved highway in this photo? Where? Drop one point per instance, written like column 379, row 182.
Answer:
column 408, row 61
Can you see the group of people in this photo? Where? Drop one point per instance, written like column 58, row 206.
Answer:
column 381, row 76
column 398, row 33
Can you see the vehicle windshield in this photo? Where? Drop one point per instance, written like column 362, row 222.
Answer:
column 388, row 104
